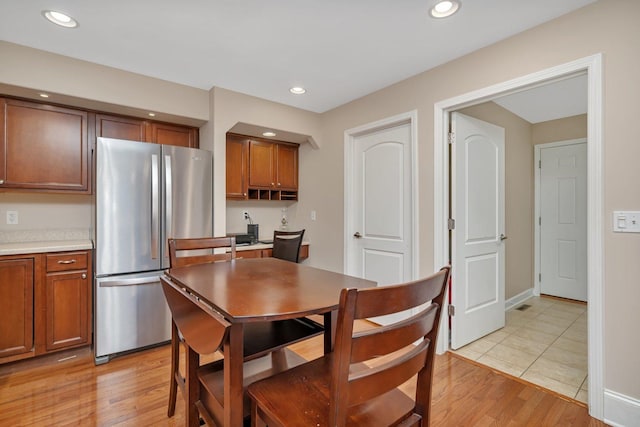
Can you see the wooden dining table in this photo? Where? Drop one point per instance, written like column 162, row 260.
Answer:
column 262, row 290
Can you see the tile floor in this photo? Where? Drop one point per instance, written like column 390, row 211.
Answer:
column 545, row 344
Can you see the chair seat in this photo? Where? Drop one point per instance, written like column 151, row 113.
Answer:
column 307, row 387
column 211, row 379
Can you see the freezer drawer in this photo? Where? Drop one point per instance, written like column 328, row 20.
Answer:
column 131, row 312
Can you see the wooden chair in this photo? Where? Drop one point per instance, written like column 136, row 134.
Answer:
column 200, row 245
column 357, row 384
column 260, row 339
column 286, row 245
column 186, row 248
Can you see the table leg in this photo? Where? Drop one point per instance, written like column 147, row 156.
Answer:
column 233, row 388
column 330, row 320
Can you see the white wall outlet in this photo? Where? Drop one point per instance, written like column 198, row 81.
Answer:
column 12, row 217
column 313, row 215
column 245, row 215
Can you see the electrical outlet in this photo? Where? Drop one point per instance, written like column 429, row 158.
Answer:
column 12, row 217
column 245, row 215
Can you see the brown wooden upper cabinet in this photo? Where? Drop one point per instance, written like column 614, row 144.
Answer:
column 128, row 128
column 43, row 147
column 134, row 129
column 237, row 167
column 259, row 169
column 166, row 134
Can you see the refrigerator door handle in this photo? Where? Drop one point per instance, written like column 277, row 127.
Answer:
column 155, row 193
column 130, row 282
column 169, row 200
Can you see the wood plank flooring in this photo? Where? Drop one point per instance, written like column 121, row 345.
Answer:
column 133, row 390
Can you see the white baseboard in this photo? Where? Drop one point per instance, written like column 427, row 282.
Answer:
column 518, row 299
column 621, row 410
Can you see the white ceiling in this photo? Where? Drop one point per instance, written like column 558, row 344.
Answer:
column 339, row 50
column 564, row 98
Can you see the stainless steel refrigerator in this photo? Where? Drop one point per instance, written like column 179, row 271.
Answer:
column 144, row 194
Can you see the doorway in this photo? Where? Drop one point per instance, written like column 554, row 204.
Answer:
column 593, row 67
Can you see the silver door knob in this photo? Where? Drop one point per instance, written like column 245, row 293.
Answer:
column 1, row 181
column 503, row 237
column 357, row 235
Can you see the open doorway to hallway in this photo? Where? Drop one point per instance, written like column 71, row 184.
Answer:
column 442, row 246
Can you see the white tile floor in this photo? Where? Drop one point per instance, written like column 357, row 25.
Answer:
column 545, row 344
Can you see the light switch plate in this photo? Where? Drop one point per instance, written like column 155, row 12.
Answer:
column 626, row 221
column 12, row 217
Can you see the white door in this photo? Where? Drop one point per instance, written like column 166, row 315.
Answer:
column 380, row 229
column 478, row 246
column 563, row 221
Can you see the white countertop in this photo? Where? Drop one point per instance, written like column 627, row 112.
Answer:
column 19, row 248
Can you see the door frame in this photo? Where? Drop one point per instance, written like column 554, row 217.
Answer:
column 537, row 176
column 592, row 65
column 350, row 135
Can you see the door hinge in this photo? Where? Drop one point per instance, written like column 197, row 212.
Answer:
column 451, row 224
column 539, row 220
column 451, row 310
column 539, row 164
column 539, row 277
column 451, row 138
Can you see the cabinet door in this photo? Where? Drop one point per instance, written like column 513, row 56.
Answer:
column 121, row 128
column 166, row 134
column 261, row 164
column 16, row 306
column 67, row 309
column 45, row 148
column 287, row 167
column 237, row 167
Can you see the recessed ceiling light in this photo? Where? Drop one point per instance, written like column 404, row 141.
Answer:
column 445, row 8
column 268, row 133
column 297, row 90
column 44, row 95
column 152, row 114
column 60, row 18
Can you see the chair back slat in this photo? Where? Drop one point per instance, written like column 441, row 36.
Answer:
column 387, row 339
column 364, row 385
column 184, row 252
column 203, row 329
column 286, row 245
column 396, row 298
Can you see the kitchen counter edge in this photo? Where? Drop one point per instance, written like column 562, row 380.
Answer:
column 44, row 247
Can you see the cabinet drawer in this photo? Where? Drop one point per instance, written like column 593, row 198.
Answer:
column 67, row 261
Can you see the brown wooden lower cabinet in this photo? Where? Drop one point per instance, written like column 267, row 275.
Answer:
column 67, row 290
column 16, row 307
column 45, row 303
column 264, row 253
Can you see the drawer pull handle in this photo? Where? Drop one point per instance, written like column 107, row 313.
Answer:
column 71, row 261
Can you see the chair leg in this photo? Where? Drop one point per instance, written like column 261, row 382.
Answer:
column 279, row 360
column 256, row 421
column 175, row 366
column 192, row 388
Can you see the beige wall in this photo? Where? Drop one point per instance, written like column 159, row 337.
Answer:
column 26, row 72
column 519, row 203
column 608, row 27
column 559, row 130
column 231, row 108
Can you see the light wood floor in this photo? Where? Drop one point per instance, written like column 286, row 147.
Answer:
column 132, row 391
